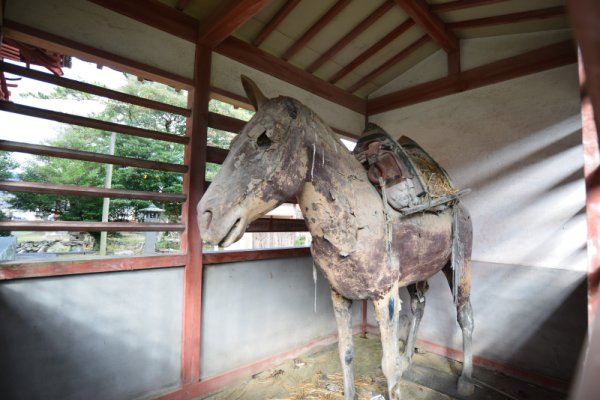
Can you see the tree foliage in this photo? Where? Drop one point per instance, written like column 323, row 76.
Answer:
column 69, row 172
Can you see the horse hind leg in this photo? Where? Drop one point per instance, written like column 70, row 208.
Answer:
column 417, row 304
column 458, row 274
column 343, row 317
column 392, row 364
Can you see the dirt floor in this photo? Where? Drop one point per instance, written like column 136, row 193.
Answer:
column 430, row 377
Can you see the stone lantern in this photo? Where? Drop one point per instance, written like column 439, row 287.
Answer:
column 148, row 215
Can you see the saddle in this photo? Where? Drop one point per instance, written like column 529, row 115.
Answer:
column 406, row 176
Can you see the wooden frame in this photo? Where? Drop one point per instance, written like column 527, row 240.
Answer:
column 92, row 89
column 547, row 57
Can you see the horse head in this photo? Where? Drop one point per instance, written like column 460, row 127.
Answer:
column 265, row 167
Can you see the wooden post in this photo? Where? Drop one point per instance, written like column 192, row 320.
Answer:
column 584, row 15
column 195, row 158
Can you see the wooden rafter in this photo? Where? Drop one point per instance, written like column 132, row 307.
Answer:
column 313, row 30
column 226, row 19
column 509, row 18
column 343, row 42
column 461, row 4
column 155, row 14
column 547, row 57
column 247, row 54
column 365, row 55
column 182, row 4
column 283, row 12
column 389, row 63
column 419, row 11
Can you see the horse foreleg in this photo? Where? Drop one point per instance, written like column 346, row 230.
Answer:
column 341, row 307
column 392, row 364
column 417, row 304
column 464, row 316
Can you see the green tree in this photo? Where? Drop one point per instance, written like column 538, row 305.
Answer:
column 7, row 164
column 69, row 172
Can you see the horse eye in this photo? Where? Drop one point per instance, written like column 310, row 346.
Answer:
column 263, row 141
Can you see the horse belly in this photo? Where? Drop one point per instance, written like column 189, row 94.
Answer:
column 423, row 246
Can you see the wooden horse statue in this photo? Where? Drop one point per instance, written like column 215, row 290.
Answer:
column 286, row 151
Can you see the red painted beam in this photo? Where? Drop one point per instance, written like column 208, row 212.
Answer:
column 350, row 36
column 584, row 15
column 547, row 57
column 247, row 54
column 227, row 18
column 37, row 37
column 155, row 14
column 461, row 4
column 419, row 11
column 368, row 53
column 223, row 257
column 315, row 29
column 182, row 4
column 389, row 63
column 195, row 157
column 283, row 12
column 33, row 269
column 508, row 18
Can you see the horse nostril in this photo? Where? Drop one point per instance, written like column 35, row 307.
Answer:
column 206, row 219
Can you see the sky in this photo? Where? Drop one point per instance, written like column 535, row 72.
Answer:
column 26, row 129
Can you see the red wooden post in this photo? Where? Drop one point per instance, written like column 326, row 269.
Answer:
column 591, row 164
column 195, row 158
column 584, row 15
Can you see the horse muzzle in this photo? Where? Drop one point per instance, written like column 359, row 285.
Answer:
column 221, row 230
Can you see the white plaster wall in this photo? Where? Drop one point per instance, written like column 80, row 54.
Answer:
column 99, row 27
column 517, row 144
column 255, row 310
column 226, row 75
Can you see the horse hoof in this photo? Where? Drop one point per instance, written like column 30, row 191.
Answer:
column 465, row 386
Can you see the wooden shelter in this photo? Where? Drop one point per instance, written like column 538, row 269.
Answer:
column 403, row 64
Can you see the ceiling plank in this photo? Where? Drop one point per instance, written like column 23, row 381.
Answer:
column 365, row 55
column 275, row 21
column 182, row 4
column 343, row 42
column 226, row 19
column 247, row 54
column 542, row 59
column 155, row 14
column 316, row 28
column 509, row 18
column 419, row 11
column 460, row 4
column 389, row 63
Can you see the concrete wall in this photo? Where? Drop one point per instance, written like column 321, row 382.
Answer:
column 254, row 310
column 517, row 144
column 106, row 336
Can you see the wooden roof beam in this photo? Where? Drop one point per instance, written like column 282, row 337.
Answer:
column 509, row 18
column 548, row 57
column 253, row 57
column 226, row 19
column 275, row 21
column 343, row 42
column 155, row 14
column 418, row 11
column 365, row 55
column 316, row 28
column 389, row 63
column 182, row 4
column 460, row 4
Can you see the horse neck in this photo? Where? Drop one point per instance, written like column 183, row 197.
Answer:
column 337, row 195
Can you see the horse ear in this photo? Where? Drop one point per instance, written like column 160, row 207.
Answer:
column 256, row 97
